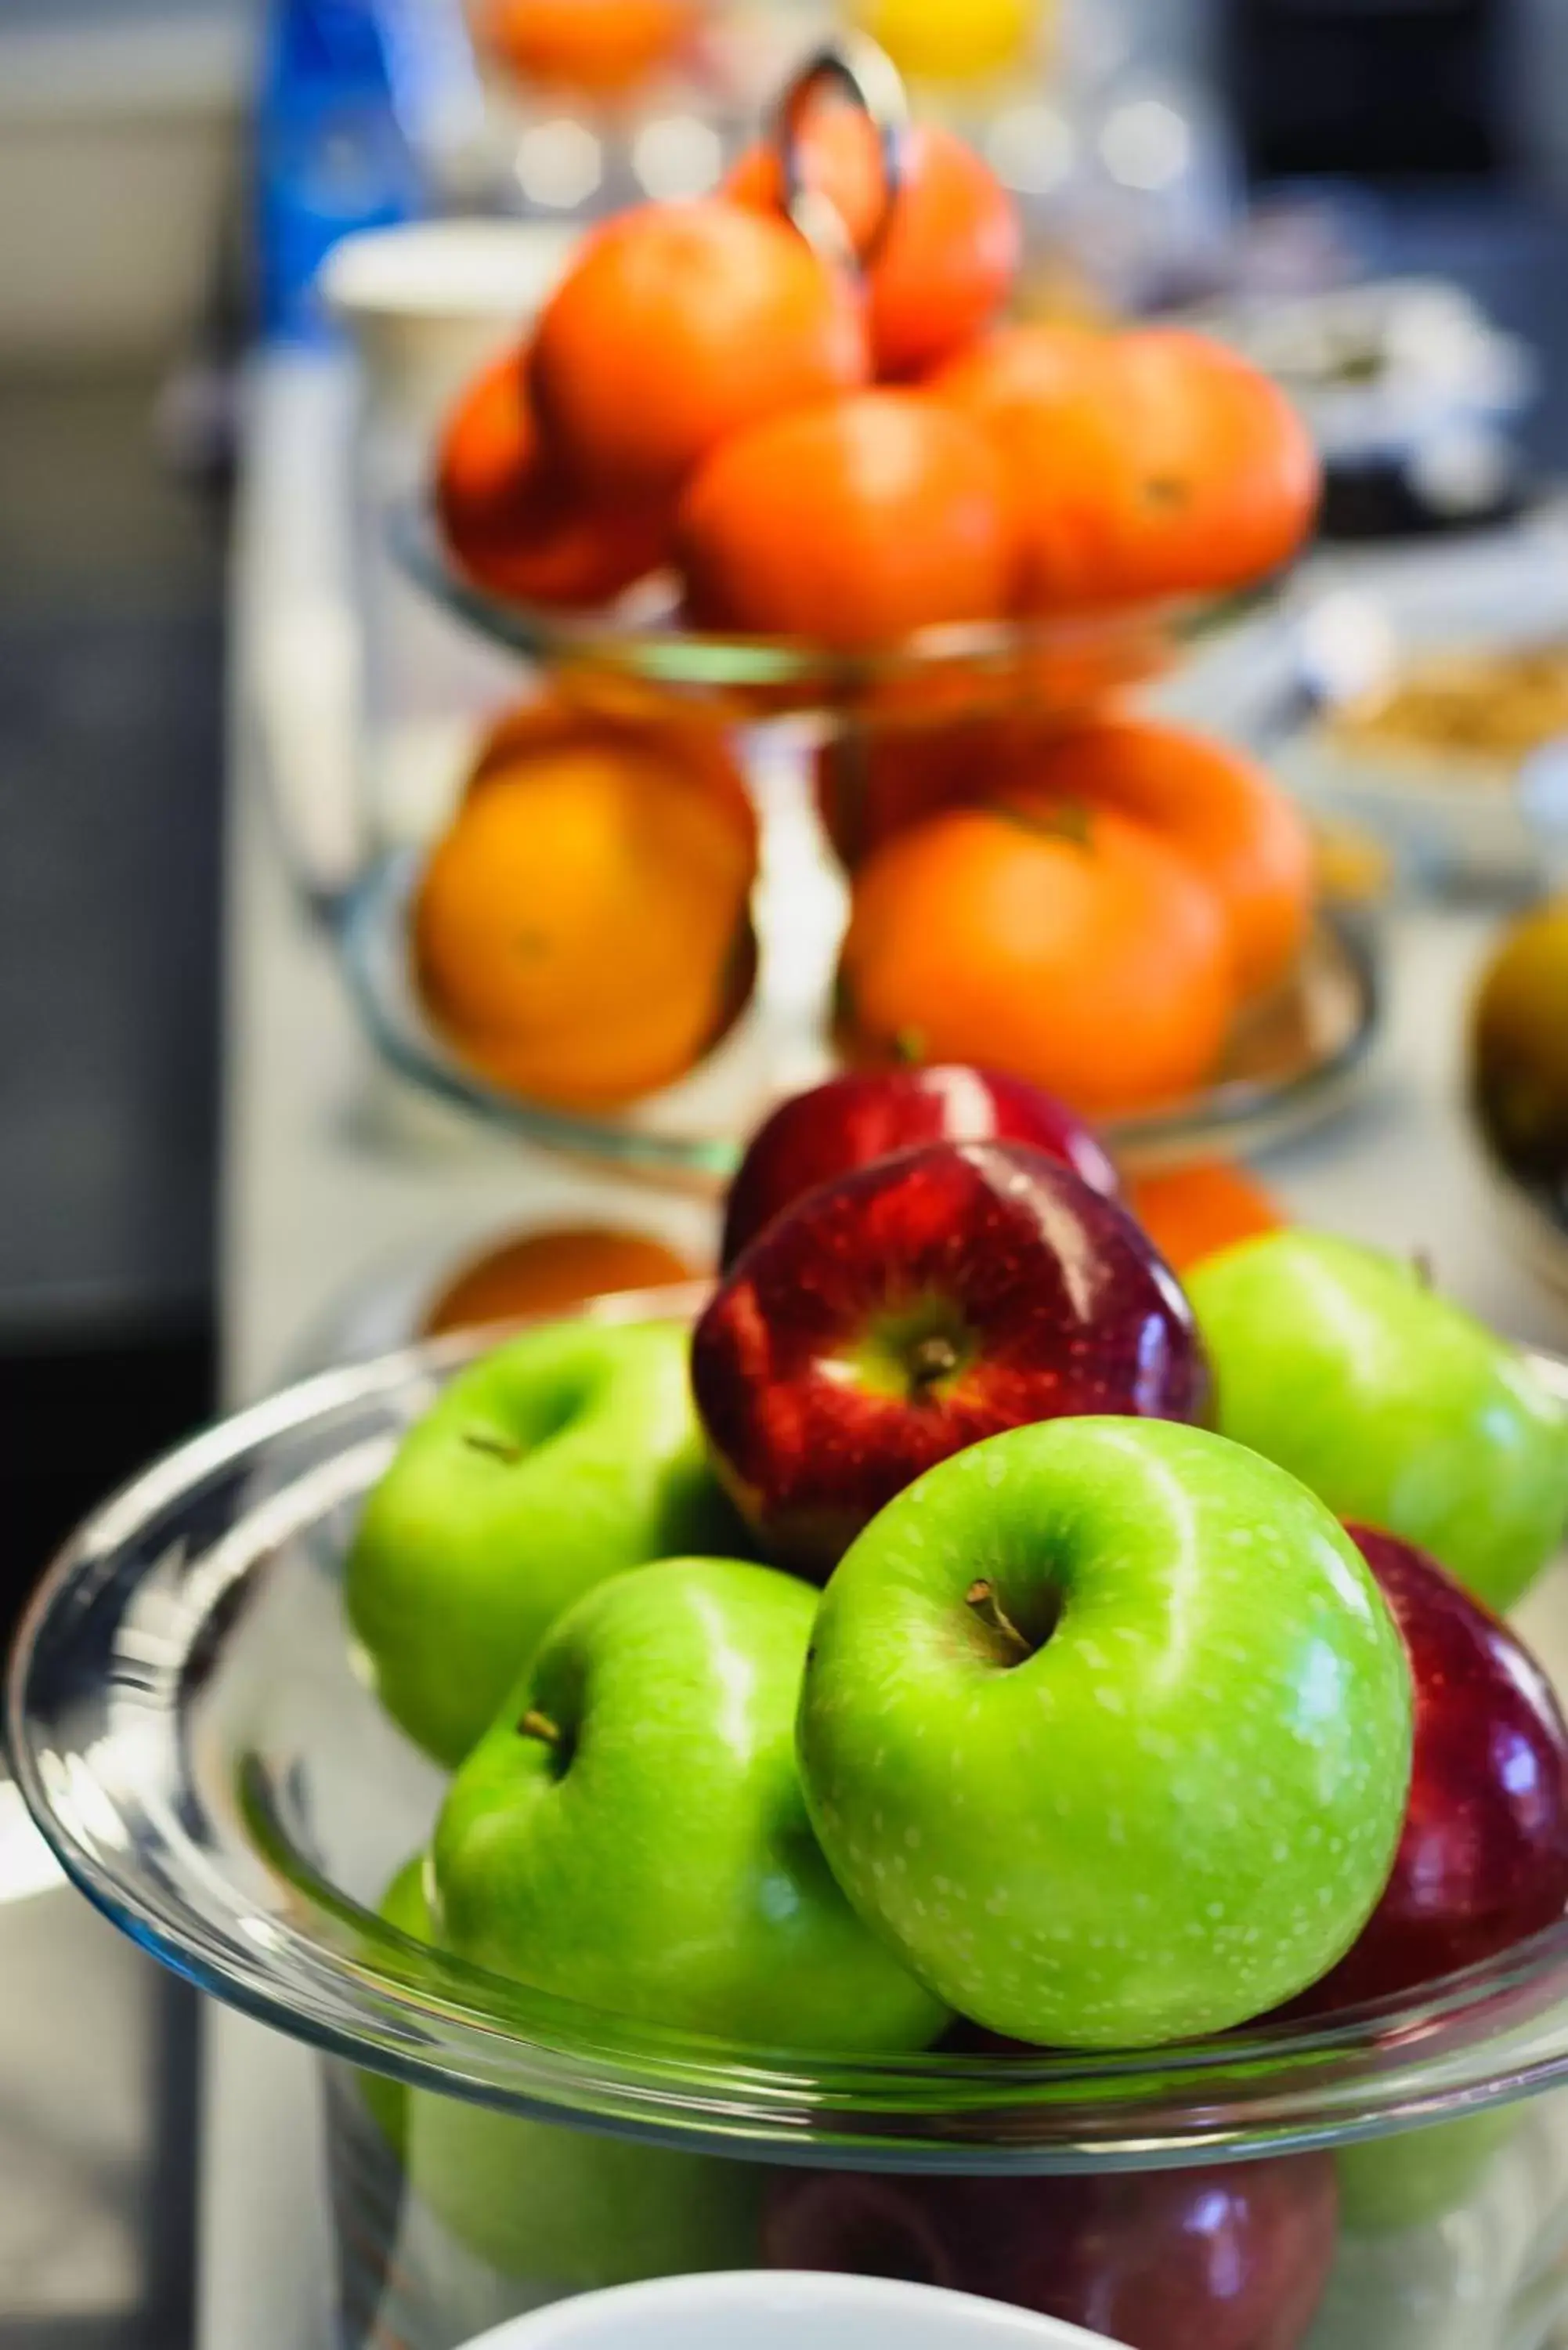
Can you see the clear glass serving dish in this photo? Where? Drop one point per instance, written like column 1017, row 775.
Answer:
column 1288, row 1063
column 189, row 1729
column 637, row 654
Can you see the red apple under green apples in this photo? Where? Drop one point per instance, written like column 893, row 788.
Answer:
column 868, row 1114
column 913, row 1307
column 1232, row 2257
column 1483, row 1861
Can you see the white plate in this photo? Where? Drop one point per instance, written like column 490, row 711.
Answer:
column 783, row 2312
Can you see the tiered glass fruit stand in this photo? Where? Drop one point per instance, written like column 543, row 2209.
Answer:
column 188, row 1726
column 1288, row 1063
column 1289, row 1058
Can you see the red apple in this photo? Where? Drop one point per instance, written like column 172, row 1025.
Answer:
column 888, row 1319
column 1232, row 2257
column 851, row 1120
column 1483, row 1860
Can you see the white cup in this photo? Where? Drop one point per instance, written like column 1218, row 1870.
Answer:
column 778, row 2310
column 429, row 302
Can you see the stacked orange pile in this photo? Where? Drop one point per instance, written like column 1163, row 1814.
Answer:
column 849, row 450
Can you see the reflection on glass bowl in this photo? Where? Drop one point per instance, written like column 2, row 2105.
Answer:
column 1289, row 1063
column 189, row 1729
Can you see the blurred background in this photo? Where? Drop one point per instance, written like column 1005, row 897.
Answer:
column 173, row 172
column 216, row 687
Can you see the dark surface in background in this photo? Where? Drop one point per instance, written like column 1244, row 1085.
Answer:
column 1511, row 252
column 110, row 781
column 1377, row 89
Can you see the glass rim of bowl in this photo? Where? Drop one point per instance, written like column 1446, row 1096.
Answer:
column 641, row 637
column 1341, row 960
column 133, row 1610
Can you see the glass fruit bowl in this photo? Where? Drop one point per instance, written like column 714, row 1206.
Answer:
column 635, row 656
column 1288, row 1062
column 189, row 1729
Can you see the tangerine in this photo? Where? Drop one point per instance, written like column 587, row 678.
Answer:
column 852, row 523
column 600, row 48
column 944, row 263
column 548, row 722
column 582, row 930
column 683, row 324
column 869, row 785
column 1192, row 1212
column 549, row 1273
column 514, row 520
column 1084, row 956
column 1219, row 809
column 1149, row 463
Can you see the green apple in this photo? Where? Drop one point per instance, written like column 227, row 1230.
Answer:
column 567, row 2210
column 564, row 2210
column 631, row 1832
column 567, row 1454
column 1392, row 1404
column 1420, row 2176
column 405, row 1905
column 1107, row 1729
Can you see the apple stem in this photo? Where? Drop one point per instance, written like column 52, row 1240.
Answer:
column 982, row 1596
column 1426, row 1270
column 480, row 1439
column 931, row 1359
column 535, row 1724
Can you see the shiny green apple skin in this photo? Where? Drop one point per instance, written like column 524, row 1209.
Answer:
column 1392, row 1404
column 1174, row 1801
column 403, row 1905
column 631, row 1832
column 1418, row 2177
column 562, row 2210
column 567, row 1454
column 406, row 1904
column 567, row 2210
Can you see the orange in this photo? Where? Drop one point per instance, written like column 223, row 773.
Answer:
column 1087, row 957
column 949, row 253
column 1222, row 811
column 549, row 1273
column 1149, row 463
column 869, row 785
column 514, row 520
column 1217, row 808
column 582, row 932
column 1191, row 1212
column 852, row 522
column 601, row 48
column 548, row 723
column 680, row 325
column 1040, row 363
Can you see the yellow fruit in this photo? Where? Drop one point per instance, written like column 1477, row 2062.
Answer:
column 952, row 40
column 1518, row 1045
